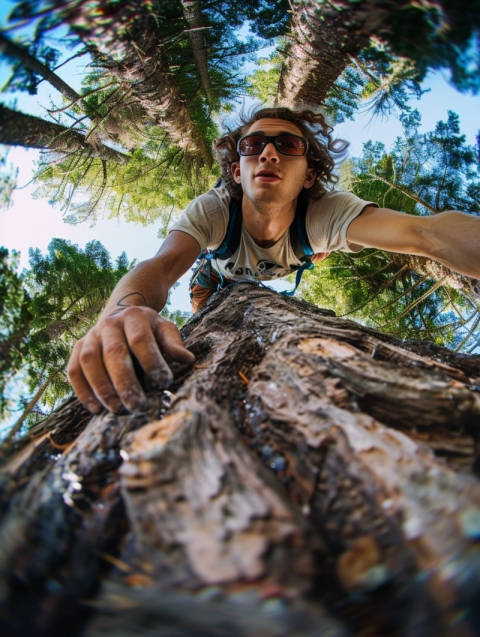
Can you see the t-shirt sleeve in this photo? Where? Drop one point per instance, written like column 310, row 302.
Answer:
column 328, row 219
column 206, row 218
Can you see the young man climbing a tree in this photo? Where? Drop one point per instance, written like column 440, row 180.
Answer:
column 274, row 212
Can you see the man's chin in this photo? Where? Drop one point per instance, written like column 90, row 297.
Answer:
column 260, row 196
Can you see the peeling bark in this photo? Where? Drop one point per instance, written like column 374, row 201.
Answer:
column 17, row 129
column 306, row 476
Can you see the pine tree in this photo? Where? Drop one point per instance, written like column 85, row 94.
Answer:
column 27, row 68
column 145, row 86
column 325, row 37
column 306, row 476
column 15, row 321
column 18, row 129
column 407, row 295
column 47, row 309
column 8, row 181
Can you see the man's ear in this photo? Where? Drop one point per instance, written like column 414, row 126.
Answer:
column 235, row 170
column 310, row 178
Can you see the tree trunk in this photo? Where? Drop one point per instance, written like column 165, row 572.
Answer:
column 307, row 476
column 124, row 41
column 31, row 405
column 321, row 40
column 17, row 129
column 192, row 14
column 12, row 50
column 324, row 36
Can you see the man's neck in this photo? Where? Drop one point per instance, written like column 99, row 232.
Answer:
column 267, row 223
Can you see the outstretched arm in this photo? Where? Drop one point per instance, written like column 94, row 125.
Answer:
column 452, row 238
column 101, row 368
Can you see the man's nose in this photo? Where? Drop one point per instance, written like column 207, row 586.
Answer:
column 269, row 153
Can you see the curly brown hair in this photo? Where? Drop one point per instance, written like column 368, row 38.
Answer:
column 322, row 149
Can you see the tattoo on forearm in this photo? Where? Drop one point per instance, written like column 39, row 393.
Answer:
column 122, row 304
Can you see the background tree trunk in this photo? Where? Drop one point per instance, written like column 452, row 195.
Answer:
column 307, row 476
column 12, row 50
column 193, row 16
column 18, row 129
column 322, row 39
column 130, row 49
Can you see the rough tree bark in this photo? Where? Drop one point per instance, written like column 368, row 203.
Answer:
column 307, row 476
column 325, row 36
column 322, row 38
column 124, row 39
column 18, row 129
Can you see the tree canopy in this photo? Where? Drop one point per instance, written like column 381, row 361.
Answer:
column 411, row 297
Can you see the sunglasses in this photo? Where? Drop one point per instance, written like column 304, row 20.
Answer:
column 286, row 144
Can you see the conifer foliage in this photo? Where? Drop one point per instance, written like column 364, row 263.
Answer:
column 159, row 72
column 46, row 309
column 409, row 296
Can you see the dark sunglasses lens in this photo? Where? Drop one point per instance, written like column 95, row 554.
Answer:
column 291, row 145
column 252, row 145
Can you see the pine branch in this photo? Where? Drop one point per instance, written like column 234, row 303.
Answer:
column 18, row 129
column 415, row 303
column 404, row 191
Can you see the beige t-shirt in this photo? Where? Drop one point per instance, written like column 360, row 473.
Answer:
column 206, row 219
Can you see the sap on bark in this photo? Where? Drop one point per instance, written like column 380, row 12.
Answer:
column 307, row 476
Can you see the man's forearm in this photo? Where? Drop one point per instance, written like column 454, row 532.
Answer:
column 144, row 286
column 454, row 240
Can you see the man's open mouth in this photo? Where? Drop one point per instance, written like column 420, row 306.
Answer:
column 267, row 175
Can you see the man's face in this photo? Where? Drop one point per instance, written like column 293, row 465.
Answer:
column 272, row 177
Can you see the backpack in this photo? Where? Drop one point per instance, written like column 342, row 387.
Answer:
column 298, row 239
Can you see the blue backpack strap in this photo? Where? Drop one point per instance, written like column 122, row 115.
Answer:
column 298, row 231
column 231, row 240
column 300, row 242
column 308, row 265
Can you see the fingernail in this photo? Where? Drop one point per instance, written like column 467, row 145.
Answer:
column 134, row 400
column 117, row 406
column 162, row 378
column 93, row 406
column 183, row 355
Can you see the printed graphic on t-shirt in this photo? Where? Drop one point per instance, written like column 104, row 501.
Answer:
column 264, row 268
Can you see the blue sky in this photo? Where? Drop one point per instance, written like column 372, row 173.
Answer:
column 33, row 223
